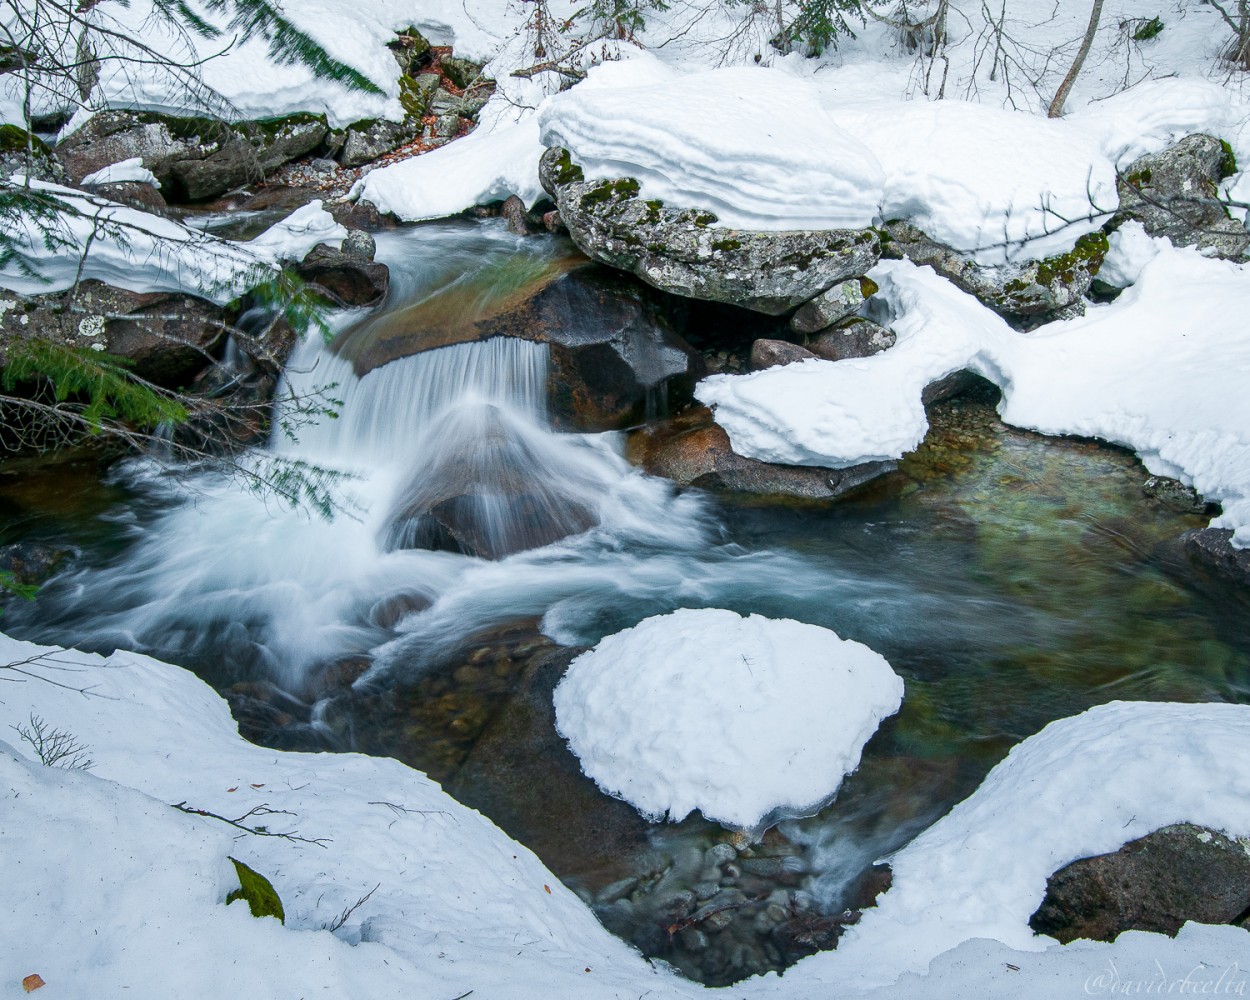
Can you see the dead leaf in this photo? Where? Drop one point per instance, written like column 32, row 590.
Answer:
column 33, row 982
column 261, row 785
column 234, row 789
column 547, row 888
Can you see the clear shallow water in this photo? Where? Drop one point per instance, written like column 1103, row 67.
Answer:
column 1010, row 579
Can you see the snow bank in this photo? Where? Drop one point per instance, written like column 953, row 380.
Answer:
column 737, row 717
column 131, row 249
column 1082, row 786
column 1160, row 370
column 1001, row 185
column 111, row 893
column 754, row 146
column 1157, row 113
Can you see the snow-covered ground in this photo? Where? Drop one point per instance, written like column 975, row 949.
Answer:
column 736, row 717
column 142, row 252
column 112, row 893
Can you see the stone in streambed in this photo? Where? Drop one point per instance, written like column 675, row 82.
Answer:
column 693, row 450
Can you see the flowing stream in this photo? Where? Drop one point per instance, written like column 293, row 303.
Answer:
column 1010, row 579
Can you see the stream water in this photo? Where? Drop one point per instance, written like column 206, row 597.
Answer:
column 1010, row 579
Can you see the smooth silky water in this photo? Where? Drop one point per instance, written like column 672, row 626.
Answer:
column 1010, row 579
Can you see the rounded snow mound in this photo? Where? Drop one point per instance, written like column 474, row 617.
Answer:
column 736, row 717
column 754, row 146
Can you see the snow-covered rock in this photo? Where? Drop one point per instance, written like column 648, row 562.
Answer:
column 737, row 717
column 141, row 252
column 130, row 170
column 1159, row 370
column 999, row 186
column 754, row 147
column 683, row 251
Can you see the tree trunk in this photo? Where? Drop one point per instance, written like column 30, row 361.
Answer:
column 1056, row 106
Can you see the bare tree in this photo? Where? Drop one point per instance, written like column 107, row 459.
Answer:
column 1061, row 95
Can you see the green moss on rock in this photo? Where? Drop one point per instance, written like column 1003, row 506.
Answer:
column 621, row 189
column 868, row 287
column 567, row 172
column 259, row 893
column 727, row 245
column 1088, row 254
column 1228, row 162
column 14, row 140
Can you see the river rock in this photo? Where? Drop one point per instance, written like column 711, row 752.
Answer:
column 31, row 563
column 488, row 493
column 167, row 338
column 1174, row 495
column 1028, row 288
column 1213, row 547
column 1155, row 883
column 767, row 353
column 852, row 338
column 614, row 354
column 193, row 158
column 832, row 305
column 681, row 251
column 349, row 279
column 692, row 450
column 1176, row 193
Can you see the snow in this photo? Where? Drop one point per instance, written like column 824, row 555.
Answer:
column 141, row 252
column 736, row 717
column 482, row 167
column 131, row 170
column 999, row 185
column 753, row 146
column 1160, row 371
column 1082, row 786
column 112, row 893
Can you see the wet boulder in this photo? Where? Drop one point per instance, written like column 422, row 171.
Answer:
column 615, row 358
column 1156, row 883
column 680, row 250
column 1176, row 193
column 692, row 450
column 494, row 486
column 1213, row 548
column 30, row 564
column 348, row 276
column 193, row 158
column 1023, row 289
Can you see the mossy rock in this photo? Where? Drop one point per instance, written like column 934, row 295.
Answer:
column 14, row 140
column 460, row 72
column 411, row 50
column 262, row 898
